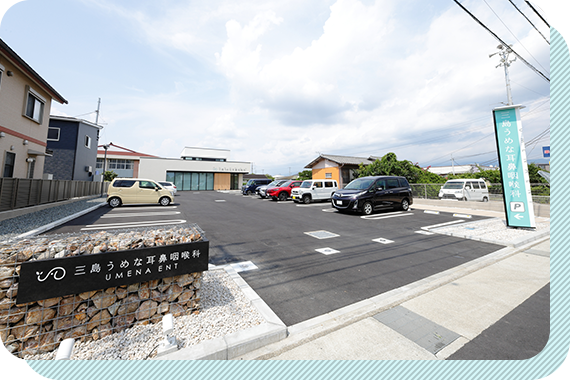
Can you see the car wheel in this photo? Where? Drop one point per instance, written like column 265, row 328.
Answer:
column 164, row 201
column 248, row 192
column 115, row 202
column 405, row 205
column 306, row 199
column 283, row 196
column 485, row 199
column 367, row 208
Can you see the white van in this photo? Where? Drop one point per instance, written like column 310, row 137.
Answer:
column 465, row 190
column 314, row 190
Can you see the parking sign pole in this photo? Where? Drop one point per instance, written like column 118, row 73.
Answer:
column 517, row 195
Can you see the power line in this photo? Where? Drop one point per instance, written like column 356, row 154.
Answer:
column 538, row 14
column 502, row 42
column 530, row 22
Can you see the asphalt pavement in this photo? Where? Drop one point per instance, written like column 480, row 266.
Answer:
column 380, row 288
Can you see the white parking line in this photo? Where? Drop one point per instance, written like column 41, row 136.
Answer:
column 442, row 224
column 424, row 232
column 127, row 214
column 383, row 241
column 312, row 205
column 376, row 217
column 431, row 212
column 327, row 251
column 120, row 209
column 462, row 216
column 132, row 225
column 220, row 200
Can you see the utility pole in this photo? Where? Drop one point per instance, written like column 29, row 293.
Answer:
column 98, row 108
column 504, row 52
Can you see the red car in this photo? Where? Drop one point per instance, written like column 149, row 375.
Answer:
column 283, row 192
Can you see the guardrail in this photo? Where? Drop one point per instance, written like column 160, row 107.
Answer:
column 17, row 193
column 540, row 191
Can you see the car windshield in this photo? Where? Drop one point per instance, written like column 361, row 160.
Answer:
column 359, row 184
column 453, row 185
column 306, row 184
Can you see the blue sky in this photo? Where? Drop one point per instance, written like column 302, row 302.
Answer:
column 278, row 82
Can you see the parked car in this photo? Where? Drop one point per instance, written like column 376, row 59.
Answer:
column 283, row 191
column 169, row 186
column 136, row 190
column 314, row 190
column 262, row 190
column 367, row 194
column 252, row 184
column 465, row 190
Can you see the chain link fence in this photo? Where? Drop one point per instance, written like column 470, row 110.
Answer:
column 540, row 191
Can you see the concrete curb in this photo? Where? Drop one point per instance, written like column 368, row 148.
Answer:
column 241, row 342
column 49, row 226
column 317, row 327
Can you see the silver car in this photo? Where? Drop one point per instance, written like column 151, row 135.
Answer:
column 262, row 190
column 169, row 186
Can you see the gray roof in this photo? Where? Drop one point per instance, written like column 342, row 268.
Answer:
column 341, row 160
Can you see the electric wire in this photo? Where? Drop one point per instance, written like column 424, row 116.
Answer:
column 530, row 22
column 503, row 42
column 510, row 31
column 538, row 14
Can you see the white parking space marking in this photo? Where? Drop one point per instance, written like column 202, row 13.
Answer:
column 327, row 251
column 443, row 224
column 377, row 217
column 424, row 232
column 322, row 234
column 243, row 266
column 312, row 205
column 383, row 241
column 220, row 200
column 462, row 216
column 128, row 214
column 330, row 210
column 431, row 212
column 132, row 225
column 127, row 209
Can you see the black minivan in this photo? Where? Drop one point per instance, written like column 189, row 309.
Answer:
column 368, row 194
column 252, row 184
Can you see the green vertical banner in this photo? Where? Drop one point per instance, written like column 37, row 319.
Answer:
column 514, row 170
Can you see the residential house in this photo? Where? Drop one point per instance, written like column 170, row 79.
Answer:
column 340, row 168
column 73, row 146
column 25, row 103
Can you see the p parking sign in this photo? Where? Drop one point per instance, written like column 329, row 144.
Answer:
column 514, row 170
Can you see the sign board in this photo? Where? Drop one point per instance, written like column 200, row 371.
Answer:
column 546, row 151
column 514, row 169
column 43, row 279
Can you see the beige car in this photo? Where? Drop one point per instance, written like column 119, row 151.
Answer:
column 137, row 190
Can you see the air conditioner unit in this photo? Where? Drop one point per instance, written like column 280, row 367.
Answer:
column 89, row 168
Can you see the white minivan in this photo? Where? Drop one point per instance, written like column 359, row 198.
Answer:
column 465, row 190
column 314, row 190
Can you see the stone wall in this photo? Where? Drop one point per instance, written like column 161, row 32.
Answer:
column 38, row 327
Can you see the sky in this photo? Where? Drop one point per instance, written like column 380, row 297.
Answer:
column 280, row 82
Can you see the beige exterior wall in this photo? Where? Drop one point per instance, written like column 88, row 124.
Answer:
column 322, row 173
column 222, row 181
column 16, row 126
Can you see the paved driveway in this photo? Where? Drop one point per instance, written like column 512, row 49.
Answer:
column 307, row 260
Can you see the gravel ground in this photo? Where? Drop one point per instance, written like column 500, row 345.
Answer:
column 13, row 227
column 225, row 310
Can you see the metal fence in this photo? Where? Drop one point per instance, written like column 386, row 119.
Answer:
column 540, row 191
column 22, row 192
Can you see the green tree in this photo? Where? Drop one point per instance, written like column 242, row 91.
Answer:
column 109, row 175
column 389, row 165
column 305, row 174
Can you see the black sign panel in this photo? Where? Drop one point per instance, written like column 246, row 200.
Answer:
column 45, row 279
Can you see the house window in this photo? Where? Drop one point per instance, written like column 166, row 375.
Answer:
column 88, row 142
column 53, row 134
column 328, row 175
column 1, row 73
column 34, row 108
column 9, row 164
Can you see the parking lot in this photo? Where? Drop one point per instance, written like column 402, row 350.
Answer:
column 305, row 260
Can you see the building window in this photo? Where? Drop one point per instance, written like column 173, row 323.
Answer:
column 88, row 142
column 31, row 167
column 9, row 161
column 119, row 164
column 328, row 175
column 53, row 134
column 99, row 164
column 34, row 105
column 1, row 73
